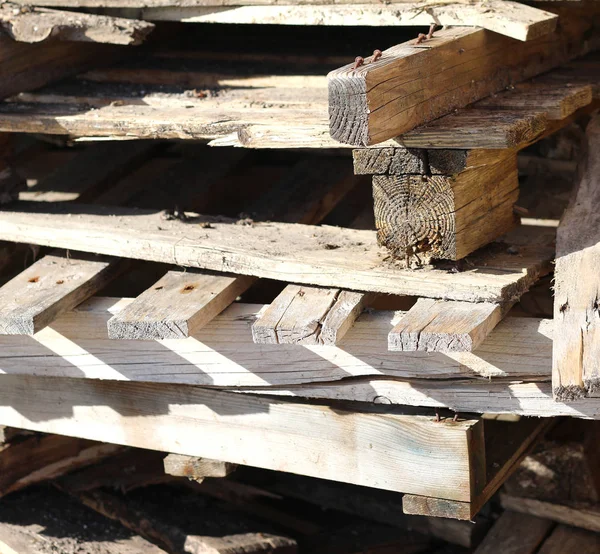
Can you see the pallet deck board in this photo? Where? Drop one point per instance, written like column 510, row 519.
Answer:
column 304, row 254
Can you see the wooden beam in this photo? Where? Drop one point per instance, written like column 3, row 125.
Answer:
column 325, row 256
column 33, row 24
column 196, row 468
column 405, row 453
column 576, row 350
column 584, row 516
column 443, row 326
column 504, row 445
column 420, row 218
column 530, row 530
column 49, row 287
column 38, row 459
column 410, row 84
column 507, row 18
column 308, row 315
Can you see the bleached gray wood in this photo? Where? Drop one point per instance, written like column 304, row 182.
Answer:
column 576, row 353
column 196, row 468
column 408, row 453
column 444, row 326
column 49, row 287
column 177, row 305
column 308, row 315
column 325, row 256
column 34, row 24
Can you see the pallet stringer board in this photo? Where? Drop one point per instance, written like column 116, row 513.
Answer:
column 325, row 256
column 383, row 99
column 506, row 444
column 309, row 315
column 576, row 345
column 226, row 426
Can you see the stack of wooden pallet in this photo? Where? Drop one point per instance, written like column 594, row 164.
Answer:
column 301, row 268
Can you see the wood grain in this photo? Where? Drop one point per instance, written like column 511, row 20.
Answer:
column 409, row 453
column 576, row 351
column 325, row 256
column 410, row 84
column 444, row 326
column 308, row 315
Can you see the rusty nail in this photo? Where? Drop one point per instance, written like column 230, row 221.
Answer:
column 376, row 55
column 437, row 417
column 428, row 36
column 455, row 418
column 358, row 62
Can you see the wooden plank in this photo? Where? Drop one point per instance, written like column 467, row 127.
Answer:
column 515, row 533
column 177, row 305
column 576, row 350
column 420, row 218
column 38, row 459
column 507, row 18
column 512, row 367
column 196, row 468
column 556, row 102
column 409, row 453
column 52, row 285
column 444, row 326
column 34, row 24
column 308, row 315
column 175, row 539
column 584, row 516
column 325, row 256
column 222, row 353
column 567, row 539
column 383, row 99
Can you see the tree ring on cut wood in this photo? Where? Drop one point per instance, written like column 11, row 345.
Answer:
column 414, row 216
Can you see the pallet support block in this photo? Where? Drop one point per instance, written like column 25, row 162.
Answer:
column 425, row 217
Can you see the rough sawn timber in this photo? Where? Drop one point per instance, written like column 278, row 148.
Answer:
column 446, row 217
column 576, row 351
column 308, row 315
column 32, row 24
column 305, row 254
column 507, row 18
column 412, row 84
column 403, row 453
column 442, row 326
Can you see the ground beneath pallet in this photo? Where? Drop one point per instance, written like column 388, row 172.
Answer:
column 42, row 520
